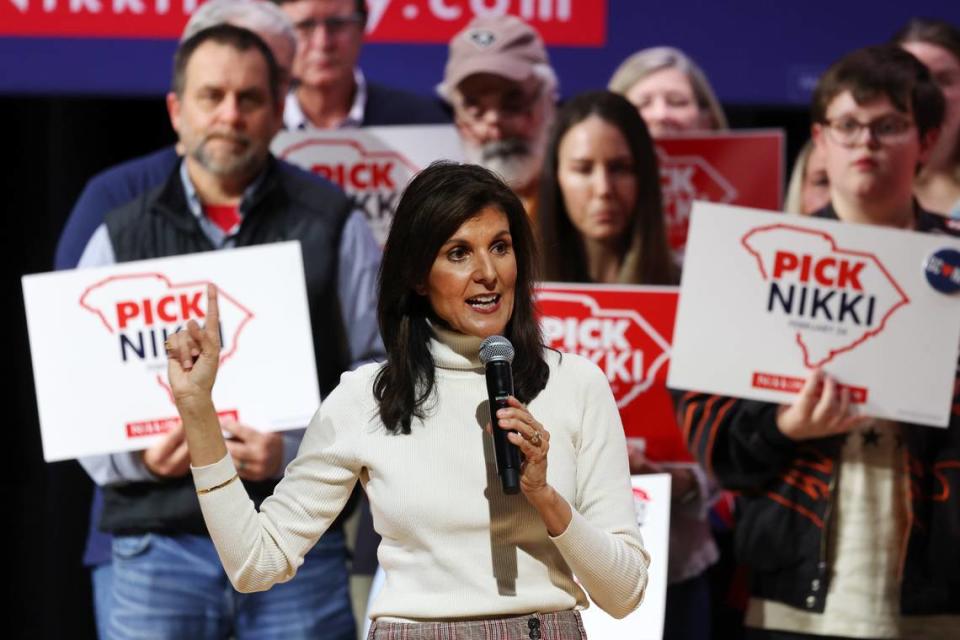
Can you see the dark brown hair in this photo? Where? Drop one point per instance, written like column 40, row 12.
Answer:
column 645, row 257
column 226, row 34
column 878, row 72
column 436, row 203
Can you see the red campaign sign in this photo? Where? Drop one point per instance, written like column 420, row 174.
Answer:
column 626, row 331
column 96, row 18
column 560, row 22
column 740, row 168
column 564, row 22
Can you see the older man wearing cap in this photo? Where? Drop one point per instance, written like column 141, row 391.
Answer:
column 502, row 89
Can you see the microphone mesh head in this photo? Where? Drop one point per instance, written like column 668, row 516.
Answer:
column 496, row 348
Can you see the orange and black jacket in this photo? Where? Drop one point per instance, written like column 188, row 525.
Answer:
column 786, row 494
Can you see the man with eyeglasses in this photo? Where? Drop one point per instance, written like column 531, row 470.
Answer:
column 850, row 525
column 503, row 91
column 330, row 91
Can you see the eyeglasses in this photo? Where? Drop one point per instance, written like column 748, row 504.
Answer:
column 333, row 26
column 888, row 130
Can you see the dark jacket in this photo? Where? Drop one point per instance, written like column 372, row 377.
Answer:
column 107, row 191
column 386, row 106
column 288, row 205
column 787, row 490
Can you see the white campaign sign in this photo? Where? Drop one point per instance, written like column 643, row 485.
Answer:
column 766, row 298
column 96, row 339
column 372, row 164
column 651, row 495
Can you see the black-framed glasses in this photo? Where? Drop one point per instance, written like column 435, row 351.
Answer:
column 891, row 130
column 333, row 26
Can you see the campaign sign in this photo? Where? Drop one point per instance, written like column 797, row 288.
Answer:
column 651, row 496
column 737, row 167
column 766, row 298
column 97, row 342
column 568, row 22
column 626, row 330
column 372, row 164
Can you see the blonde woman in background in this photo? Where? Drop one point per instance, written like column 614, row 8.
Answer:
column 937, row 45
column 809, row 188
column 670, row 91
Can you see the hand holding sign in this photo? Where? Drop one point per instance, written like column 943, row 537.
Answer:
column 258, row 456
column 821, row 409
column 193, row 356
column 169, row 457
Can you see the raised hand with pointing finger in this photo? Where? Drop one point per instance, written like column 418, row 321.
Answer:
column 193, row 355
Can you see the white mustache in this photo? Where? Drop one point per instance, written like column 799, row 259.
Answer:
column 504, row 149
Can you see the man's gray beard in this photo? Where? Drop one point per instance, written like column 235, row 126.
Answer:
column 247, row 162
column 513, row 160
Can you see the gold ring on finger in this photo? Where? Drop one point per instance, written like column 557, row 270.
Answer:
column 535, row 439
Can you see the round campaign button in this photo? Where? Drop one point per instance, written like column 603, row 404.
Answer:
column 942, row 269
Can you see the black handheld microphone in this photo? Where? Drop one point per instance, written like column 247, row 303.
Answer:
column 496, row 354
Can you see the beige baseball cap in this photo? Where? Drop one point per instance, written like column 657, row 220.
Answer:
column 502, row 45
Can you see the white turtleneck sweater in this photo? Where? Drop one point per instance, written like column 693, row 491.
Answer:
column 454, row 546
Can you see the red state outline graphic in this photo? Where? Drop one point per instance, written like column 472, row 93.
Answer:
column 905, row 299
column 249, row 315
column 730, row 192
column 349, row 143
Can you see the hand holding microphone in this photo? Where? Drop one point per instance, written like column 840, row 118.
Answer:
column 515, row 430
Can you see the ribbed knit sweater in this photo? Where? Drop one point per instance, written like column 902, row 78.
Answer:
column 454, row 546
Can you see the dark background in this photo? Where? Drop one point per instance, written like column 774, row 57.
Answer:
column 60, row 128
column 753, row 51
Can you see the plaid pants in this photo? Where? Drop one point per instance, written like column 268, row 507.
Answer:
column 562, row 625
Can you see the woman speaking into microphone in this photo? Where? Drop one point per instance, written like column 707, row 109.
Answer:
column 462, row 558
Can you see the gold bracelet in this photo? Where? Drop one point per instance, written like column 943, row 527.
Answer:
column 201, row 492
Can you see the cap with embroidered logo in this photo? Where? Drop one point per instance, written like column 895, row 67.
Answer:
column 501, row 45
